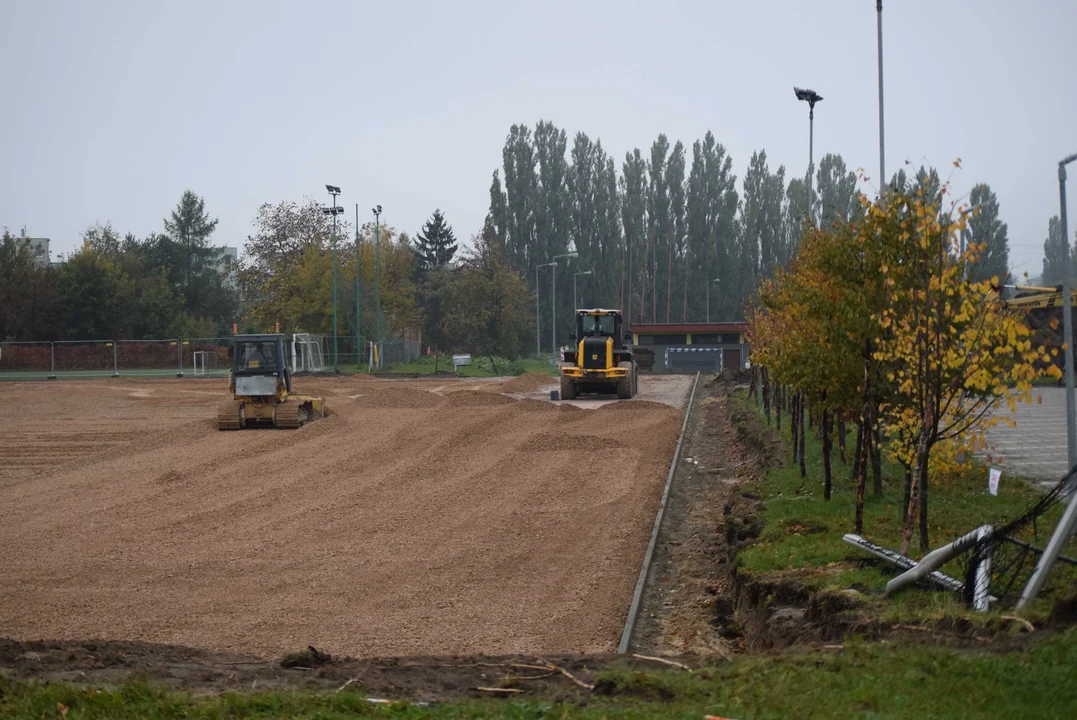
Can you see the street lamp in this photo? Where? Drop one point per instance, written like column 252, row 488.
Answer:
column 377, row 273
column 358, row 334
column 709, row 283
column 575, row 302
column 553, row 298
column 334, row 211
column 811, row 97
column 538, row 343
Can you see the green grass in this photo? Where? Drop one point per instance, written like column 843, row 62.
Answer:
column 480, row 367
column 803, row 531
column 862, row 680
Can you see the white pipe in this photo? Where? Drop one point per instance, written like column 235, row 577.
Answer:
column 935, row 559
column 980, row 595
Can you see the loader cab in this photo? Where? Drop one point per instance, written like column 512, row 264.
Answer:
column 259, row 365
column 600, row 324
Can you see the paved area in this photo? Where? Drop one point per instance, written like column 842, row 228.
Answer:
column 1036, row 448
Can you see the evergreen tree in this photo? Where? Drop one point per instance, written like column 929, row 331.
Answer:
column 435, row 244
column 658, row 230
column 608, row 232
column 190, row 227
column 677, row 284
column 836, row 186
column 989, row 233
column 553, row 224
column 496, row 226
column 633, row 215
column 1054, row 254
column 795, row 217
column 712, row 231
column 521, row 198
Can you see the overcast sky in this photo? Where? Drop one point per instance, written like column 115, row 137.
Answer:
column 112, row 109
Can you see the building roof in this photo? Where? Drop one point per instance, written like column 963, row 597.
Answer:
column 676, row 328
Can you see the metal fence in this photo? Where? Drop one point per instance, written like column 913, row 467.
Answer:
column 187, row 357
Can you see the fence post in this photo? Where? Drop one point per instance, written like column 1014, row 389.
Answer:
column 179, row 356
column 52, row 361
column 115, row 363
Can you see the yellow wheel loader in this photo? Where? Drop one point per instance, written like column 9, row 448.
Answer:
column 601, row 361
column 261, row 387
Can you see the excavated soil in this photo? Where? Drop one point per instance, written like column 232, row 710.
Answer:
column 412, row 520
column 528, row 383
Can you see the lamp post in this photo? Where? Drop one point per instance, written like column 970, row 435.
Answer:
column 377, row 273
column 334, row 211
column 553, row 299
column 709, row 283
column 882, row 145
column 538, row 343
column 575, row 301
column 811, row 97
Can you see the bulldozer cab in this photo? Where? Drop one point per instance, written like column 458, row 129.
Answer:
column 259, row 365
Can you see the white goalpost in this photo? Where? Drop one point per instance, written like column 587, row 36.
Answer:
column 307, row 352
column 204, row 362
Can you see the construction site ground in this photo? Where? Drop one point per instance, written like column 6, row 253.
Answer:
column 431, row 517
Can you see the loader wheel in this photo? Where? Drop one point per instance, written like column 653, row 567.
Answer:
column 569, row 389
column 626, row 386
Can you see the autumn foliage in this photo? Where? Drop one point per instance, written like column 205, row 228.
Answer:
column 874, row 322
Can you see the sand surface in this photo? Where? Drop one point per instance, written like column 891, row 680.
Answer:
column 419, row 518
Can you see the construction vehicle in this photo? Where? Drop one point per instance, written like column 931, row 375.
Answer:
column 261, row 387
column 600, row 361
column 1042, row 308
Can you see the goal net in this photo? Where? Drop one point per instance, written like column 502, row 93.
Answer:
column 307, row 352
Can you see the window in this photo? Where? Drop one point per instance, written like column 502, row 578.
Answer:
column 260, row 356
column 601, row 324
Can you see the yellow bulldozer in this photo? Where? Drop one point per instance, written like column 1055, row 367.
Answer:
column 600, row 361
column 261, row 387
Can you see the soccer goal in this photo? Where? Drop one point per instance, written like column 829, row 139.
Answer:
column 307, row 352
column 204, row 362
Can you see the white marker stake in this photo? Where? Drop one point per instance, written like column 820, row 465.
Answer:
column 992, row 480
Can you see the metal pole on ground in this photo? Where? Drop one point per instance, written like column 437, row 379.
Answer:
column 377, row 271
column 179, row 357
column 115, row 363
column 1067, row 320
column 1050, row 554
column 52, row 361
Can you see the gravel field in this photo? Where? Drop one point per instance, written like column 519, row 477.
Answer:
column 427, row 517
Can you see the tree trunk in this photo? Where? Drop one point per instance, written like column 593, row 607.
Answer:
column 876, row 458
column 860, row 471
column 778, row 409
column 856, row 453
column 919, row 475
column 793, row 408
column 802, row 439
column 825, row 422
column 908, row 491
column 766, row 395
column 923, row 511
column 803, row 464
column 841, row 442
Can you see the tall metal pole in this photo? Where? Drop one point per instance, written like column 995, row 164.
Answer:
column 553, row 311
column 1068, row 522
column 336, row 365
column 882, row 144
column 377, row 273
column 811, row 152
column 1067, row 318
column 359, row 336
column 538, row 341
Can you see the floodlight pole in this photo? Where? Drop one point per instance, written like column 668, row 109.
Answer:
column 811, row 97
column 333, row 210
column 553, row 301
column 359, row 340
column 377, row 271
column 709, row 297
column 1066, row 525
column 882, row 144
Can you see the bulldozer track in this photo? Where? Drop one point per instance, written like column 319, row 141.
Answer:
column 289, row 415
column 228, row 415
